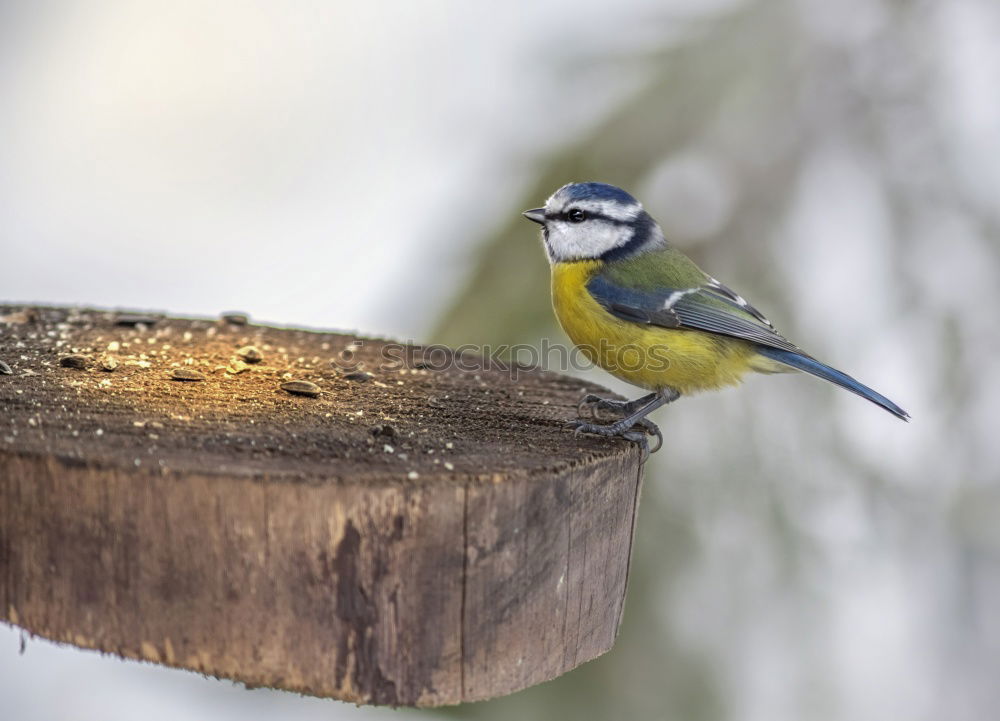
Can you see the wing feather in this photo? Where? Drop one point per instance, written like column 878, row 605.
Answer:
column 711, row 308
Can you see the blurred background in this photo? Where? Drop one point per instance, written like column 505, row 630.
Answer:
column 799, row 554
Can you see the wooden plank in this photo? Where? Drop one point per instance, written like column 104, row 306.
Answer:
column 419, row 534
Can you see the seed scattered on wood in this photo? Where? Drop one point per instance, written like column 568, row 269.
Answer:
column 250, row 354
column 134, row 319
column 5, row 370
column 108, row 362
column 186, row 374
column 28, row 315
column 236, row 318
column 301, row 388
column 236, row 367
column 80, row 362
column 359, row 376
column 383, row 430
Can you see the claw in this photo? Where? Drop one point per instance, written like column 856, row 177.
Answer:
column 587, row 402
column 653, row 430
column 640, row 440
column 648, row 428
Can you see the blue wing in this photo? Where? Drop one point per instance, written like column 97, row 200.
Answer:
column 714, row 308
column 711, row 307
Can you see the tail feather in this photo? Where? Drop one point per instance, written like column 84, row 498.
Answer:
column 821, row 370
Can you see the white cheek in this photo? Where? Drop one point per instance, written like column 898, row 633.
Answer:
column 573, row 242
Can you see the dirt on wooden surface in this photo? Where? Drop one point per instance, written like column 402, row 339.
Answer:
column 161, row 394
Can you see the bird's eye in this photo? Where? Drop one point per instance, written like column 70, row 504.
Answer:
column 576, row 216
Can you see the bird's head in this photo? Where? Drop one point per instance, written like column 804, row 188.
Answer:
column 589, row 221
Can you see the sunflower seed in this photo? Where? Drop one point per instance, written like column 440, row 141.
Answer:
column 236, row 318
column 383, row 430
column 360, row 376
column 108, row 362
column 27, row 315
column 134, row 319
column 80, row 362
column 5, row 370
column 250, row 354
column 301, row 388
column 186, row 374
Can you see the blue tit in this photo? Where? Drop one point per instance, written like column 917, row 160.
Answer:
column 644, row 312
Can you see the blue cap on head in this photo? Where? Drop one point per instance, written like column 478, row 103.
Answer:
column 596, row 191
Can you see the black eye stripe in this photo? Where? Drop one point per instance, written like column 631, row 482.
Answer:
column 591, row 215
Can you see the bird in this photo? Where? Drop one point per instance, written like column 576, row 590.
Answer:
column 639, row 308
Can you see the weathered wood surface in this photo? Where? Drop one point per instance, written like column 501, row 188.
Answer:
column 414, row 535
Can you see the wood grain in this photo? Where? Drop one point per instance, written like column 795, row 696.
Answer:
column 417, row 534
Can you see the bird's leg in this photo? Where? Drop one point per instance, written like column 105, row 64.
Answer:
column 636, row 417
column 595, row 403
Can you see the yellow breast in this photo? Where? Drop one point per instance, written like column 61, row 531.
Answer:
column 646, row 356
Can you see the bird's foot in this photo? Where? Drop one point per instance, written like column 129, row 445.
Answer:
column 624, row 428
column 591, row 405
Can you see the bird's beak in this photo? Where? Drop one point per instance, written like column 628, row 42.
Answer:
column 537, row 215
